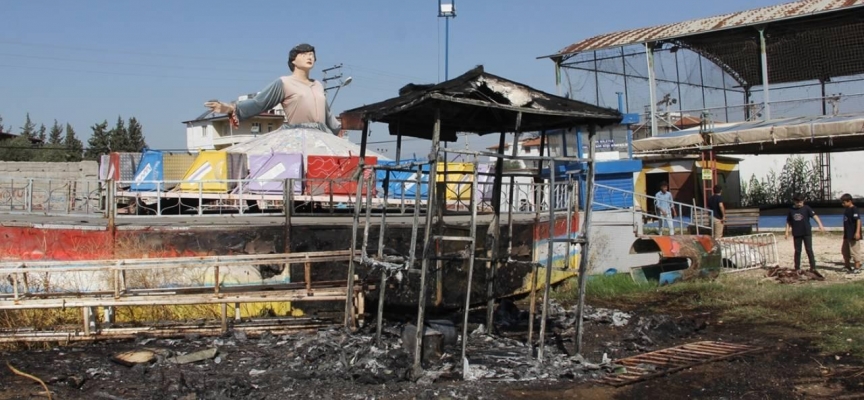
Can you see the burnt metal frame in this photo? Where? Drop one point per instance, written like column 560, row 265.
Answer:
column 22, row 298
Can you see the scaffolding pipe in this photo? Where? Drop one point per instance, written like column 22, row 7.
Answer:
column 584, row 258
column 763, row 52
column 652, row 87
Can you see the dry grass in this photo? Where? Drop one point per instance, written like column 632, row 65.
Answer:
column 832, row 314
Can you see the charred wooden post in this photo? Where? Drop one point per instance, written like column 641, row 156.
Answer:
column 349, row 301
column 493, row 235
column 417, row 369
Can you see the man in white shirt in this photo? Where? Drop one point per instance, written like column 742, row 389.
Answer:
column 663, row 203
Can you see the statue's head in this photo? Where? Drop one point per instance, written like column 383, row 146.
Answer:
column 301, row 56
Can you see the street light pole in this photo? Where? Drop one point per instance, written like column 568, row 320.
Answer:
column 447, row 10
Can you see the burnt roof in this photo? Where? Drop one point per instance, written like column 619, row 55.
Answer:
column 478, row 102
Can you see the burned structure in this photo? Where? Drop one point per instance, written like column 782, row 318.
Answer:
column 481, row 103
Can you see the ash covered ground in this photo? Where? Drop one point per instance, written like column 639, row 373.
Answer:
column 335, row 364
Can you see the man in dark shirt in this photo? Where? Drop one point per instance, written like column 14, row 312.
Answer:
column 715, row 203
column 851, row 249
column 798, row 221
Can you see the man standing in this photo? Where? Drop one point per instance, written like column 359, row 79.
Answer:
column 851, row 235
column 663, row 202
column 715, row 203
column 798, row 221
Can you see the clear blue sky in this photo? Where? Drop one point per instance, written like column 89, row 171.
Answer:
column 85, row 61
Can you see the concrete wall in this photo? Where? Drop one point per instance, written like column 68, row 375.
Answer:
column 49, row 170
column 612, row 234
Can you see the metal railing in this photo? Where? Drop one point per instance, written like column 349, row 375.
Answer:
column 50, row 196
column 687, row 216
column 742, row 253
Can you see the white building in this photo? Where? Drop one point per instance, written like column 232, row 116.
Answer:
column 212, row 131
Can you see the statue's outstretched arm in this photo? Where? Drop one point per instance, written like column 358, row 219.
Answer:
column 266, row 99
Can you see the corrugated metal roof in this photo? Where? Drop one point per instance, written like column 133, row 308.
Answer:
column 756, row 16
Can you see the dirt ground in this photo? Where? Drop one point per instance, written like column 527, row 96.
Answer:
column 826, row 248
column 788, row 366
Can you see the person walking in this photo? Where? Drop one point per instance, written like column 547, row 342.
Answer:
column 798, row 222
column 664, row 204
column 851, row 248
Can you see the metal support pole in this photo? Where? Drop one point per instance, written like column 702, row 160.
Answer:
column 652, row 87
column 446, row 50
column 538, row 199
column 763, row 51
column 287, row 208
column 702, row 82
column 584, row 257
column 349, row 301
column 624, row 73
column 427, row 246
column 550, row 252
column 471, row 254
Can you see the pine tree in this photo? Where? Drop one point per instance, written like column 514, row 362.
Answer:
column 118, row 136
column 136, row 135
column 56, row 135
column 17, row 149
column 74, row 147
column 41, row 134
column 29, row 128
column 3, row 128
column 99, row 143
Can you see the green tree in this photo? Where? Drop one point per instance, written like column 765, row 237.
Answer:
column 29, row 128
column 118, row 136
column 17, row 149
column 136, row 135
column 56, row 135
column 99, row 143
column 74, row 147
column 3, row 128
column 41, row 133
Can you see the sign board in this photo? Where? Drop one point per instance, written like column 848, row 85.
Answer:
column 706, row 175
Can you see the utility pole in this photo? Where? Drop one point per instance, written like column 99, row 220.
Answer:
column 326, row 79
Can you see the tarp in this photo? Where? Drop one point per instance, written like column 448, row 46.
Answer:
column 485, row 182
column 270, row 172
column 787, row 135
column 457, row 173
column 175, row 165
column 149, row 170
column 336, row 175
column 304, row 141
column 403, row 184
column 212, row 170
column 119, row 166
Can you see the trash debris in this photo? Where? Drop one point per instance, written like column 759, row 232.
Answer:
column 433, row 341
column 130, row 358
column 194, row 357
column 789, row 275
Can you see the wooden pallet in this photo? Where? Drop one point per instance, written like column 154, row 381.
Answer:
column 662, row 362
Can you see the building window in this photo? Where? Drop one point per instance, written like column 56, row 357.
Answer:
column 256, row 127
column 269, row 127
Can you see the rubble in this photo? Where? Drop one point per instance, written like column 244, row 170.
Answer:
column 194, row 357
column 788, row 275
